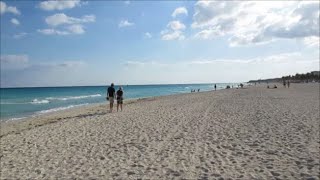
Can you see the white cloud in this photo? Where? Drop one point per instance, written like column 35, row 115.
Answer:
column 14, row 61
column 14, row 58
column 15, row 21
column 76, row 29
column 10, row 9
column 163, row 32
column 22, row 61
column 127, row 2
column 175, row 35
column 70, row 64
column 68, row 30
column 52, row 32
column 139, row 64
column 174, row 32
column 125, row 23
column 147, row 35
column 312, row 41
column 70, row 25
column 179, row 10
column 17, row 71
column 61, row 18
column 19, row 35
column 279, row 58
column 2, row 7
column 207, row 34
column 176, row 25
column 59, row 4
column 256, row 22
column 56, row 65
column 134, row 63
column 220, row 70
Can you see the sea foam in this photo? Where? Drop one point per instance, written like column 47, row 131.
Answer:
column 36, row 101
column 73, row 97
column 60, row 108
column 15, row 119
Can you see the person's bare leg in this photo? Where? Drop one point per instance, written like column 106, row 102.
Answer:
column 111, row 107
column 117, row 107
column 121, row 107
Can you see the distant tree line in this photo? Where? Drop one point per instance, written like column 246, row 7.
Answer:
column 307, row 77
column 313, row 76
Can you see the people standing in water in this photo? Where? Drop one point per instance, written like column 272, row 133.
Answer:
column 119, row 98
column 110, row 95
column 215, row 87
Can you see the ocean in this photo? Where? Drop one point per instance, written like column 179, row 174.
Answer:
column 19, row 103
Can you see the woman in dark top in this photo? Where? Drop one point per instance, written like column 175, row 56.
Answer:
column 119, row 98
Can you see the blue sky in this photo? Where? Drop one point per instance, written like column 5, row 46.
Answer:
column 59, row 43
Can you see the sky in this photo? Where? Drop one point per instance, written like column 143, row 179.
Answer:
column 79, row 43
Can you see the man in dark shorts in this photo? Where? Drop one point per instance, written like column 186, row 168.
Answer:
column 119, row 98
column 110, row 95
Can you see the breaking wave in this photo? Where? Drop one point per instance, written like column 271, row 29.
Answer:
column 73, row 97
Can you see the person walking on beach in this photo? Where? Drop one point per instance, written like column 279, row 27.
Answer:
column 110, row 95
column 215, row 87
column 119, row 98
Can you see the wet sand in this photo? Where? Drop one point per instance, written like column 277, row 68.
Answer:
column 252, row 133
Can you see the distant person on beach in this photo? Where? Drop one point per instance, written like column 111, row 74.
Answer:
column 119, row 98
column 198, row 90
column 284, row 83
column 215, row 87
column 110, row 95
column 288, row 83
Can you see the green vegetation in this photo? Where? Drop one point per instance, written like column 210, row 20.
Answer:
column 308, row 77
column 313, row 76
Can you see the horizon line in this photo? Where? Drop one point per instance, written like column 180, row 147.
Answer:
column 115, row 85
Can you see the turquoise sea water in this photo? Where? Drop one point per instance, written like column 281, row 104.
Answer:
column 18, row 103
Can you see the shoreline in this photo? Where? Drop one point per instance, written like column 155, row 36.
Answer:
column 65, row 108
column 32, row 121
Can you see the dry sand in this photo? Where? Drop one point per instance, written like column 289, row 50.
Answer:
column 253, row 133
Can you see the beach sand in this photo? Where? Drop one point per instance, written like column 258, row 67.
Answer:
column 251, row 133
